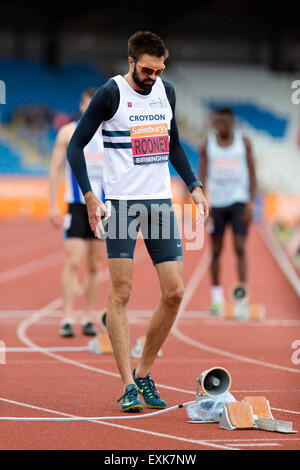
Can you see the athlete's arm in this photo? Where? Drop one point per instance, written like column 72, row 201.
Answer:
column 203, row 164
column 56, row 170
column 252, row 179
column 178, row 157
column 180, row 161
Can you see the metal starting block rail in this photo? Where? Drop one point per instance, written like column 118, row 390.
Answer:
column 252, row 413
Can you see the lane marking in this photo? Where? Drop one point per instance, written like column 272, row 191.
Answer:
column 31, row 267
column 280, row 257
column 127, row 428
column 206, row 317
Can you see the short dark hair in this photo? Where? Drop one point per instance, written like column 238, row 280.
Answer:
column 89, row 92
column 145, row 42
column 224, row 110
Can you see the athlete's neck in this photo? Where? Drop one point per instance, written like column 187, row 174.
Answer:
column 225, row 138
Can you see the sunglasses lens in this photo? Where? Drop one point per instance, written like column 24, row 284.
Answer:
column 149, row 71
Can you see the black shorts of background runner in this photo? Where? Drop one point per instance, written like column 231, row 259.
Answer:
column 232, row 215
column 156, row 219
column 76, row 222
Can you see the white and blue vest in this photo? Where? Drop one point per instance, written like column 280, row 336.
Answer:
column 136, row 145
column 227, row 172
column 94, row 157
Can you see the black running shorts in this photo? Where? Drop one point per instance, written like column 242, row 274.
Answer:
column 76, row 222
column 231, row 215
column 158, row 224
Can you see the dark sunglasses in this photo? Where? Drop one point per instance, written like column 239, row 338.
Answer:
column 149, row 70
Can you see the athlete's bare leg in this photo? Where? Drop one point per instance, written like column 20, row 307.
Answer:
column 75, row 248
column 171, row 282
column 121, row 272
column 239, row 247
column 95, row 253
column 217, row 245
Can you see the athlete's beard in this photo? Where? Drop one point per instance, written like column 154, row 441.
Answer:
column 140, row 83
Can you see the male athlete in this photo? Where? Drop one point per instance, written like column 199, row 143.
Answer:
column 227, row 165
column 79, row 238
column 137, row 112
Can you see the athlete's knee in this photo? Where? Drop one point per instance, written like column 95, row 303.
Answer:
column 120, row 293
column 216, row 250
column 239, row 247
column 94, row 267
column 173, row 295
column 73, row 262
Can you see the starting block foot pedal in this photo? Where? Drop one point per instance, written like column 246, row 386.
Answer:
column 237, row 415
column 260, row 407
column 137, row 350
column 100, row 344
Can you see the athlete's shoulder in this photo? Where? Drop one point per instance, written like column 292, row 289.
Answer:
column 111, row 85
column 66, row 131
column 246, row 140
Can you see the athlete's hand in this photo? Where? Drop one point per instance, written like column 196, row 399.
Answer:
column 202, row 205
column 55, row 217
column 95, row 209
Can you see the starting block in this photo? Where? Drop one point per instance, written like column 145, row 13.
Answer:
column 137, row 350
column 240, row 308
column 252, row 413
column 100, row 344
column 244, row 312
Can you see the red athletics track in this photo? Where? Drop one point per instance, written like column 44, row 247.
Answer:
column 56, row 383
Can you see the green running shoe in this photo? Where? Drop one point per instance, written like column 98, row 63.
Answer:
column 216, row 308
column 147, row 389
column 130, row 400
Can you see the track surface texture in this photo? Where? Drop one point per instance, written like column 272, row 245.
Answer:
column 50, row 379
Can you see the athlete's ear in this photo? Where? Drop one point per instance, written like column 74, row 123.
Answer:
column 130, row 61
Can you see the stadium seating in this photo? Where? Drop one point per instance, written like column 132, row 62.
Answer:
column 32, row 88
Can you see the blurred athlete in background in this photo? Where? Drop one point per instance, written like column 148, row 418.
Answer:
column 79, row 240
column 228, row 174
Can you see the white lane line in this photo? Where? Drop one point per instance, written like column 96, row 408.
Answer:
column 191, row 287
column 54, row 349
column 257, row 444
column 127, row 428
column 205, row 316
column 286, row 411
column 281, row 257
column 31, row 267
